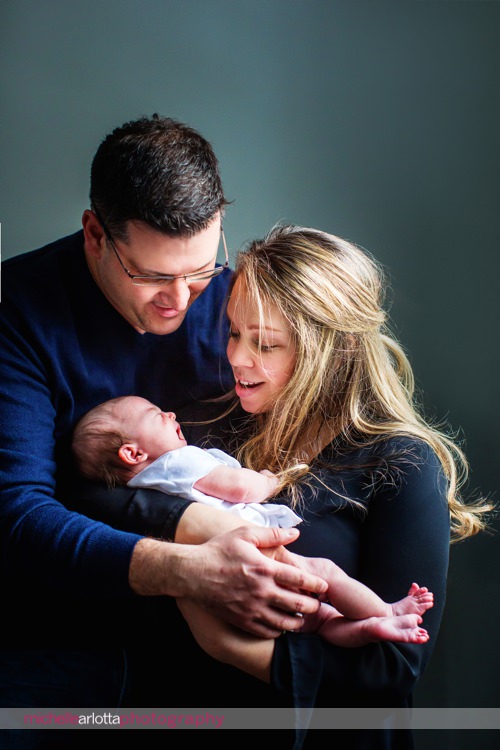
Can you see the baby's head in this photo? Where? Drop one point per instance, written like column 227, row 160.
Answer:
column 117, row 439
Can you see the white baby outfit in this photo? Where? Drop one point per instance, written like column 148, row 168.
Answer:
column 176, row 472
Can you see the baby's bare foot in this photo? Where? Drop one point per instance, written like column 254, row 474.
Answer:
column 403, row 628
column 418, row 601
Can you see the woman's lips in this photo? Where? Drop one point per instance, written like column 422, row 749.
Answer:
column 245, row 388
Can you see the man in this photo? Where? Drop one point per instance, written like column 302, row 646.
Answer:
column 128, row 305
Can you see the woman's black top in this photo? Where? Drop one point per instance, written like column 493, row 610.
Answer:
column 397, row 532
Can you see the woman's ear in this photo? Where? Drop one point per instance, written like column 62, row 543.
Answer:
column 131, row 454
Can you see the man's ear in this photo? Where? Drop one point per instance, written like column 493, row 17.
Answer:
column 131, row 454
column 93, row 234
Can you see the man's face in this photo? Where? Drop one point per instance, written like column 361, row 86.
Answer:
column 152, row 309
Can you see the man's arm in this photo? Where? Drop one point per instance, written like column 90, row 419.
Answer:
column 231, row 578
column 159, row 568
column 46, row 545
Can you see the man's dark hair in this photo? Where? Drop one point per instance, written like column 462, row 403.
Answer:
column 158, row 171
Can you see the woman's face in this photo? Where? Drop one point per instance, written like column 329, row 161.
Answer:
column 261, row 353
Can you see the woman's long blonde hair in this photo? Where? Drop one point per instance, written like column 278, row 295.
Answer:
column 352, row 379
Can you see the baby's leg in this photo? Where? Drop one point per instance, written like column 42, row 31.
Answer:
column 355, row 600
column 418, row 601
column 403, row 628
column 355, row 633
column 351, row 597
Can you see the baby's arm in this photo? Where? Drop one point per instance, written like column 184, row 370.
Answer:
column 237, row 485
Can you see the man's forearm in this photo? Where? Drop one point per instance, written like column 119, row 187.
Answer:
column 229, row 575
column 159, row 568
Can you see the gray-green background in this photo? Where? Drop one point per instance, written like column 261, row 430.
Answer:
column 377, row 121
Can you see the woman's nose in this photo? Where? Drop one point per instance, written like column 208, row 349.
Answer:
column 238, row 354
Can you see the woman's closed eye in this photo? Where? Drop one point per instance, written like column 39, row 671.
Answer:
column 256, row 343
column 262, row 347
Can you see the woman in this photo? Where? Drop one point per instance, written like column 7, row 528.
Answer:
column 324, row 384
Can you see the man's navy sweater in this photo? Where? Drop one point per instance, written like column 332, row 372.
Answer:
column 64, row 349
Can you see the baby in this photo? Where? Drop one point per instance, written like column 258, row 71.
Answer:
column 129, row 440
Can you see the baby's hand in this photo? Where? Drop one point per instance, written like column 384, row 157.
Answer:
column 272, row 481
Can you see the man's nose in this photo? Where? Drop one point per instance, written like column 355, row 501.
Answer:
column 178, row 294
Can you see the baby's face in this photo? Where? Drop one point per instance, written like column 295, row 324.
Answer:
column 155, row 431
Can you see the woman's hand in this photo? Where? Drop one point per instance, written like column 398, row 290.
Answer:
column 227, row 643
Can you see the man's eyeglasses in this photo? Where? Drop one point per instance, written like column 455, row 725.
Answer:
column 163, row 279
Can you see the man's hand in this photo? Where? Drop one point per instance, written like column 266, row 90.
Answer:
column 231, row 577
column 241, row 585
